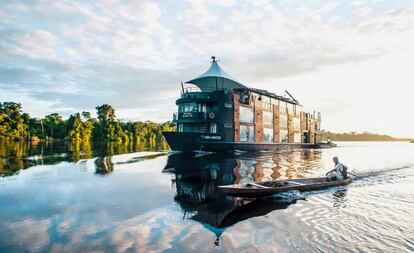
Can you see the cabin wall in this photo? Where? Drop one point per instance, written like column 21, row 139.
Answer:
column 318, row 138
column 258, row 120
column 312, row 130
column 303, row 129
column 276, row 117
column 290, row 128
column 287, row 125
column 236, row 110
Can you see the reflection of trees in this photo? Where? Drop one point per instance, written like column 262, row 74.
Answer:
column 15, row 156
column 11, row 157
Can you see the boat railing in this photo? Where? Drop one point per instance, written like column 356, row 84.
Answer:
column 190, row 89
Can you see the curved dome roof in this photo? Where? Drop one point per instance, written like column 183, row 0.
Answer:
column 215, row 78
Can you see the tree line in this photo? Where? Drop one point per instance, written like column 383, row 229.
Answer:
column 354, row 136
column 16, row 125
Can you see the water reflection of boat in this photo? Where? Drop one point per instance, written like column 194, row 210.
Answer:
column 196, row 180
column 268, row 188
column 255, row 208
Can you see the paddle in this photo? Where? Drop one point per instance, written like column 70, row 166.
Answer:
column 355, row 175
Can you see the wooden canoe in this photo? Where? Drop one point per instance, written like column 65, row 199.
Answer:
column 268, row 188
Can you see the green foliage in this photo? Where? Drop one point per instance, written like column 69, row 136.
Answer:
column 15, row 125
column 354, row 136
column 105, row 113
column 11, row 121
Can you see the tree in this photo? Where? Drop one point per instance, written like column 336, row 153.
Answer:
column 11, row 121
column 105, row 113
column 86, row 115
column 53, row 124
column 75, row 126
column 15, row 125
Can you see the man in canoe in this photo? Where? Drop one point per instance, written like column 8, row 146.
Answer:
column 339, row 172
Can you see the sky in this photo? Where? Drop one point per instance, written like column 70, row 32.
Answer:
column 351, row 60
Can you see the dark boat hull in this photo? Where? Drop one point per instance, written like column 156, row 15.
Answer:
column 212, row 142
column 308, row 184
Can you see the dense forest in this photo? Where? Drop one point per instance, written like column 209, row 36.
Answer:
column 16, row 125
column 354, row 136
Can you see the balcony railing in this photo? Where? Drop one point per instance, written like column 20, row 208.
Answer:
column 190, row 89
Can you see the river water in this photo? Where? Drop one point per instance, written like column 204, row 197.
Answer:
column 65, row 199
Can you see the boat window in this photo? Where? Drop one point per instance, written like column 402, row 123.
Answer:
column 298, row 110
column 290, row 108
column 246, row 114
column 180, row 128
column 282, row 107
column 192, row 107
column 266, row 103
column 268, row 134
column 283, row 136
column 246, row 133
column 296, row 124
column 213, row 128
column 297, row 137
column 268, row 118
column 283, row 121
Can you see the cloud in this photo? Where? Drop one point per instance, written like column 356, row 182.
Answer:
column 133, row 55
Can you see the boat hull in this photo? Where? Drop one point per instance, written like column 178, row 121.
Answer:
column 308, row 184
column 179, row 141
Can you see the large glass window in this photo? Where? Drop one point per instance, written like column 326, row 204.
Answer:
column 268, row 118
column 266, row 103
column 296, row 124
column 290, row 108
column 298, row 110
column 246, row 133
column 268, row 134
column 213, row 128
column 192, row 107
column 283, row 136
column 282, row 107
column 246, row 114
column 180, row 128
column 297, row 137
column 283, row 121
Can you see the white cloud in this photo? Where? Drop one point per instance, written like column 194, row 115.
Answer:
column 38, row 44
column 259, row 42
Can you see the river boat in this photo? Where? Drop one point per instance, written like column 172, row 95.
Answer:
column 218, row 113
column 268, row 188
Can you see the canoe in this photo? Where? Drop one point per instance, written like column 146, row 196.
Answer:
column 268, row 188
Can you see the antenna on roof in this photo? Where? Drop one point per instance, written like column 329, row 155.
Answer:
column 290, row 95
column 182, row 87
